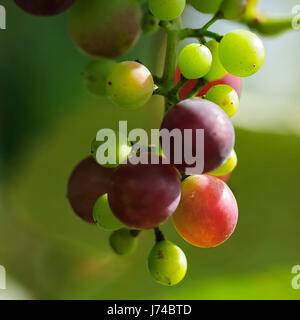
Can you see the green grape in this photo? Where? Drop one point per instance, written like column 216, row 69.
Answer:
column 95, row 75
column 233, row 9
column 121, row 153
column 217, row 70
column 167, row 263
column 123, row 242
column 130, row 84
column 166, row 10
column 195, row 61
column 150, row 24
column 242, row 53
column 206, row 6
column 227, row 167
column 225, row 97
column 103, row 215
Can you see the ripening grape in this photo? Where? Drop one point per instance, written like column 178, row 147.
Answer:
column 229, row 79
column 142, row 196
column 242, row 53
column 150, row 24
column 166, row 10
column 105, row 28
column 225, row 97
column 103, row 216
column 233, row 9
column 206, row 6
column 207, row 213
column 227, row 167
column 167, row 263
column 44, row 7
column 196, row 114
column 130, row 84
column 87, row 183
column 217, row 70
column 95, row 75
column 123, row 242
column 194, row 61
column 121, row 151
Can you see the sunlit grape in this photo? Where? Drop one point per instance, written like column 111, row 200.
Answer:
column 227, row 167
column 130, row 84
column 233, row 9
column 195, row 61
column 167, row 9
column 206, row 6
column 242, row 53
column 217, row 70
column 207, row 213
column 225, row 97
column 167, row 263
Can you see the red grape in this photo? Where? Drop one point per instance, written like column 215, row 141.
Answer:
column 142, row 196
column 229, row 79
column 44, row 7
column 105, row 28
column 87, row 183
column 196, row 114
column 207, row 213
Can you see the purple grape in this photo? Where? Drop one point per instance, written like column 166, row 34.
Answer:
column 142, row 196
column 44, row 7
column 87, row 183
column 219, row 136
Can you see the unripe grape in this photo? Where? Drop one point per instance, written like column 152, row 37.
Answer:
column 206, row 6
column 166, row 10
column 150, row 24
column 242, row 53
column 227, row 167
column 196, row 114
column 195, row 61
column 233, row 9
column 87, row 183
column 105, row 28
column 143, row 196
column 123, row 242
column 130, row 84
column 103, row 215
column 207, row 213
column 121, row 152
column 217, row 70
column 167, row 263
column 95, row 75
column 225, row 97
column 44, row 7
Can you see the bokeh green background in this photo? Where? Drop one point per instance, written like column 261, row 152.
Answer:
column 47, row 123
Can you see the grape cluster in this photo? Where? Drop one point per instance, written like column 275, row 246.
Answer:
column 202, row 90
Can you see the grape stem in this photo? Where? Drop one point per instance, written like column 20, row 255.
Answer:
column 135, row 233
column 200, row 83
column 159, row 236
column 268, row 26
column 199, row 33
